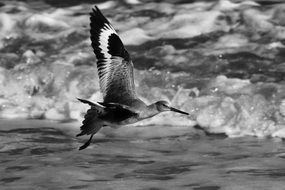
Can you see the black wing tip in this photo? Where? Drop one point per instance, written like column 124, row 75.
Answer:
column 97, row 15
column 95, row 8
column 114, row 45
column 95, row 11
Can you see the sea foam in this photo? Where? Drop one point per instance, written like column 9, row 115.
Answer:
column 221, row 63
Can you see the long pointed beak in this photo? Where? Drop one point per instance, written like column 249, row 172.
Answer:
column 178, row 111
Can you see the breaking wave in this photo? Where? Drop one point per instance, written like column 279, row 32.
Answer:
column 222, row 62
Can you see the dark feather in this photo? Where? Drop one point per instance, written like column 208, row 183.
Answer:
column 117, row 113
column 90, row 122
column 110, row 112
column 114, row 43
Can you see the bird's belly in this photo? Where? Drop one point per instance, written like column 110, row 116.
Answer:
column 121, row 123
column 129, row 121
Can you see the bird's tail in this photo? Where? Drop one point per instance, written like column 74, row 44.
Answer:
column 91, row 123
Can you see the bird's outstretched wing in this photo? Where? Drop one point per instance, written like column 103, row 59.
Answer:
column 115, row 68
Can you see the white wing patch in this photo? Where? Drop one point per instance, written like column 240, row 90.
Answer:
column 106, row 69
column 105, row 33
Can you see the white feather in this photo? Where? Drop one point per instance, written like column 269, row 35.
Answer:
column 105, row 33
column 108, row 72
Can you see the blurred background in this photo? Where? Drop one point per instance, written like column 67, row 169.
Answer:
column 222, row 61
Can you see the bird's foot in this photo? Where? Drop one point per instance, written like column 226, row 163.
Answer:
column 86, row 144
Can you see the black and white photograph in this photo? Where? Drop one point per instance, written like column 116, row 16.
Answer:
column 142, row 95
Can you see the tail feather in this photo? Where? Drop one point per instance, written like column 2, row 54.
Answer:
column 91, row 123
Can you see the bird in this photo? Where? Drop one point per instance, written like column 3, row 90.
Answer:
column 121, row 105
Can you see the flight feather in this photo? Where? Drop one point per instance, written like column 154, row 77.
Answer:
column 115, row 68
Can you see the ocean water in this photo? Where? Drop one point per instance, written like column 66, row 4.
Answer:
column 221, row 61
column 44, row 155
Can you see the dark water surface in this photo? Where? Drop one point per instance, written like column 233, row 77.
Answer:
column 43, row 155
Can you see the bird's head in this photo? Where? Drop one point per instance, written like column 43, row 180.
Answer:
column 164, row 106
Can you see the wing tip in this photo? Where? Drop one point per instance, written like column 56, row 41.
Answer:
column 95, row 10
column 101, row 31
column 96, row 14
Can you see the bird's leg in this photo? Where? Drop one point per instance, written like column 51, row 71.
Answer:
column 87, row 143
